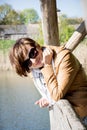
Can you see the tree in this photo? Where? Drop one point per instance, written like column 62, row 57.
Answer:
column 12, row 18
column 29, row 16
column 4, row 10
column 9, row 15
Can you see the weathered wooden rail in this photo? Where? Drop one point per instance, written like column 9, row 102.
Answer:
column 77, row 36
column 63, row 117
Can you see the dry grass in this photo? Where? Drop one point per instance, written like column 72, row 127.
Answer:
column 81, row 53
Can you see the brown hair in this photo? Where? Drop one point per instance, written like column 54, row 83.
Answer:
column 19, row 52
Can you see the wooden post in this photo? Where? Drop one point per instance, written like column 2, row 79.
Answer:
column 84, row 4
column 77, row 36
column 49, row 22
column 63, row 117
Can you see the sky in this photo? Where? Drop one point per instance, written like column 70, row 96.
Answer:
column 72, row 8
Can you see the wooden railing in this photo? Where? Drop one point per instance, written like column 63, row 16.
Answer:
column 63, row 117
column 77, row 36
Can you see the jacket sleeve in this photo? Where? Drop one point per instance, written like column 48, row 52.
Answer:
column 59, row 83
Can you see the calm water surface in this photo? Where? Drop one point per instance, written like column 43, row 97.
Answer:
column 17, row 109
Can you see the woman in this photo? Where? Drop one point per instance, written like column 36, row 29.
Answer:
column 56, row 73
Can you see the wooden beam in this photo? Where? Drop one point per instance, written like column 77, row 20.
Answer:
column 49, row 22
column 63, row 117
column 84, row 5
column 77, row 36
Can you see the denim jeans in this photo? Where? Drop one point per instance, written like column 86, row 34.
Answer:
column 84, row 121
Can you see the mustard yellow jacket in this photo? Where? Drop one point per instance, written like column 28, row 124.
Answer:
column 68, row 81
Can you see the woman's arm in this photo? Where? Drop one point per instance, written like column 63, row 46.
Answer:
column 59, row 83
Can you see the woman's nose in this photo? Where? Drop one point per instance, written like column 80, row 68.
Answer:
column 33, row 60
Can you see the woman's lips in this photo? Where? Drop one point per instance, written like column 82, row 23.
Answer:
column 38, row 61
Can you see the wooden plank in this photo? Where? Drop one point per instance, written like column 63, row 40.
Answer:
column 63, row 117
column 49, row 22
column 77, row 36
column 84, row 5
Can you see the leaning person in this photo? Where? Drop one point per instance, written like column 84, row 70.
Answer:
column 56, row 72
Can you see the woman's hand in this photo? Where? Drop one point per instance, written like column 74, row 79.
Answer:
column 47, row 56
column 43, row 102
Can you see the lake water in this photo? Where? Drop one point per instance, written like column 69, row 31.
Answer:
column 17, row 108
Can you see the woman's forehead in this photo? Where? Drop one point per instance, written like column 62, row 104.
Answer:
column 28, row 47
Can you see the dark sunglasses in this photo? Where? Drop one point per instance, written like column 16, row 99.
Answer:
column 32, row 54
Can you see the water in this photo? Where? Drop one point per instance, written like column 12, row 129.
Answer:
column 17, row 108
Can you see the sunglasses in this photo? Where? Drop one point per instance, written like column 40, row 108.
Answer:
column 32, row 54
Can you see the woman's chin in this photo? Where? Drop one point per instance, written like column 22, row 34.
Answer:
column 40, row 65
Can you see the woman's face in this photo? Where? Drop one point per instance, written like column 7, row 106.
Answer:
column 35, row 56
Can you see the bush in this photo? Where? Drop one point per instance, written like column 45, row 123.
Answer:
column 6, row 44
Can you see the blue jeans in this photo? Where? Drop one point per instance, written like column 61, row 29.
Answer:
column 84, row 121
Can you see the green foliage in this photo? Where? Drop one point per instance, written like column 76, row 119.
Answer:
column 40, row 38
column 65, row 30
column 6, row 44
column 29, row 16
column 74, row 21
column 4, row 10
column 11, row 17
column 8, row 15
column 84, row 41
column 22, row 17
